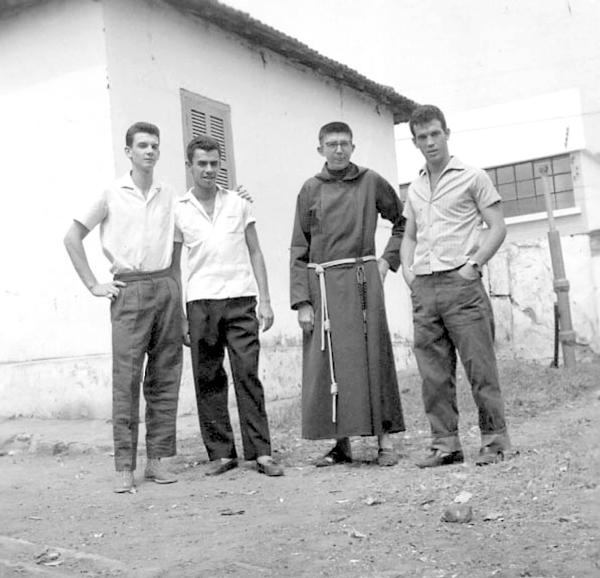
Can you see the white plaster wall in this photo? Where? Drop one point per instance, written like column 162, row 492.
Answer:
column 589, row 172
column 75, row 76
column 56, row 149
column 521, row 281
column 55, row 145
column 276, row 111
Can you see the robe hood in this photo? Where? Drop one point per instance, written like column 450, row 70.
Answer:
column 354, row 172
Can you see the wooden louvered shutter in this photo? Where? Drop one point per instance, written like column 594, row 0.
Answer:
column 203, row 116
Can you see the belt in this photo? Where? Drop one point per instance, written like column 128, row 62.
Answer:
column 142, row 275
column 325, row 321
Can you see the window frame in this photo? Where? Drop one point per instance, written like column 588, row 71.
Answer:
column 213, row 111
column 563, row 198
column 530, row 202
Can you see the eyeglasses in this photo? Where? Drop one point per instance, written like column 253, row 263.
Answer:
column 334, row 144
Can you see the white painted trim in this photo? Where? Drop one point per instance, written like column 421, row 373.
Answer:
column 542, row 216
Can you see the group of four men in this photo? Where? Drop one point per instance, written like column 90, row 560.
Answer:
column 349, row 383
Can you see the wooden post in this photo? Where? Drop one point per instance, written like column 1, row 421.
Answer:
column 566, row 334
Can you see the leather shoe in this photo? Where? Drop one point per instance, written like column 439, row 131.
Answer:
column 269, row 467
column 124, row 482
column 489, row 456
column 156, row 471
column 440, row 458
column 220, row 466
column 337, row 455
column 387, row 457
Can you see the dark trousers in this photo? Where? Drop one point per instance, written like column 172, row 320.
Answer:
column 451, row 313
column 216, row 324
column 146, row 324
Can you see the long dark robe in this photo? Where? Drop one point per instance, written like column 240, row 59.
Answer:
column 336, row 219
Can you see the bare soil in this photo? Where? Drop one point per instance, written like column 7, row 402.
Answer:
column 537, row 514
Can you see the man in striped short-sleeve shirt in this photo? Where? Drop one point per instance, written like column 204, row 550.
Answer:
column 444, row 247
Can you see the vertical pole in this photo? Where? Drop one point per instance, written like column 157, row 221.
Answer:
column 566, row 334
column 556, row 341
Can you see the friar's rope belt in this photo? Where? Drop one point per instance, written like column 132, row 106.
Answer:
column 325, row 321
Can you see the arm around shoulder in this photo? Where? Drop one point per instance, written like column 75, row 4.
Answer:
column 390, row 207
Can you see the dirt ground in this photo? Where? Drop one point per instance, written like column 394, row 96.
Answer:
column 535, row 515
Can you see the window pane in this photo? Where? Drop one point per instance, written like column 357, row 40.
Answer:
column 528, row 206
column 525, row 189
column 492, row 174
column 563, row 183
column 508, row 192
column 505, row 174
column 538, row 164
column 561, row 164
column 564, row 200
column 524, row 171
column 510, row 208
column 538, row 186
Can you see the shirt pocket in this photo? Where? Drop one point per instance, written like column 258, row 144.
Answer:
column 232, row 225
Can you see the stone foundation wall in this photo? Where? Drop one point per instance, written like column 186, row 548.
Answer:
column 519, row 280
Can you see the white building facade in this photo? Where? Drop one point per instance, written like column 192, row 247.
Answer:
column 75, row 75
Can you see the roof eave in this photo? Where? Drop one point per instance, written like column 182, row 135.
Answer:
column 260, row 34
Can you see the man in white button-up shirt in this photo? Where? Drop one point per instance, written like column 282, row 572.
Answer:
column 136, row 218
column 226, row 272
column 442, row 252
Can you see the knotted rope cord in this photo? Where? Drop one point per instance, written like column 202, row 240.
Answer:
column 326, row 322
column 326, row 334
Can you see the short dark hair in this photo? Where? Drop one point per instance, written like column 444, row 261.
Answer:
column 146, row 127
column 425, row 114
column 202, row 142
column 332, row 127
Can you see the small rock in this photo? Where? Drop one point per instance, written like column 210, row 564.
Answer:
column 59, row 448
column 356, row 534
column 48, row 557
column 371, row 501
column 459, row 513
column 493, row 517
column 463, row 497
column 230, row 512
column 426, row 503
column 459, row 475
